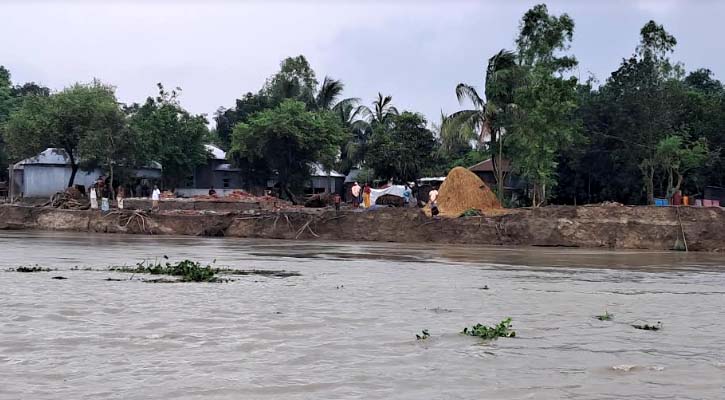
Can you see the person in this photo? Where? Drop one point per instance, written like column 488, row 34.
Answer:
column 105, row 194
column 93, row 195
column 120, row 194
column 355, row 191
column 155, row 196
column 212, row 192
column 337, row 200
column 366, row 195
column 406, row 196
column 432, row 200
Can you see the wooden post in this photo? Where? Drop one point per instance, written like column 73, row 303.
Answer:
column 11, row 183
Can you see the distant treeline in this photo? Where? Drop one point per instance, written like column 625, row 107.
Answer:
column 649, row 130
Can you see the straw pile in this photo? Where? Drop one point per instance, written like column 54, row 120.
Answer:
column 463, row 190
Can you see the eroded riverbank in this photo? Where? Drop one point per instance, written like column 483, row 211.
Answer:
column 615, row 227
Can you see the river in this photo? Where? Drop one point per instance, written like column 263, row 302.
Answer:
column 345, row 328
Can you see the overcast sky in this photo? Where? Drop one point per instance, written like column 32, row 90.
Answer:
column 416, row 51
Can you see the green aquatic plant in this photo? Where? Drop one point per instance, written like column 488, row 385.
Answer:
column 423, row 335
column 605, row 317
column 647, row 327
column 471, row 212
column 190, row 271
column 503, row 329
column 32, row 269
column 186, row 270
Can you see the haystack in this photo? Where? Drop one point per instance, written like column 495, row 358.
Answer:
column 463, row 190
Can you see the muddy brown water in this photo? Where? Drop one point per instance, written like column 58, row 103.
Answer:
column 345, row 328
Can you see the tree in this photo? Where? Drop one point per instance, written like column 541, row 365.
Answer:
column 170, row 135
column 403, row 148
column 543, row 122
column 383, row 109
column 295, row 80
column 487, row 119
column 285, row 141
column 677, row 159
column 63, row 120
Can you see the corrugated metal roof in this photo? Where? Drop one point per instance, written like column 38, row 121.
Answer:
column 49, row 156
column 216, row 152
column 56, row 156
column 318, row 170
column 226, row 167
column 487, row 166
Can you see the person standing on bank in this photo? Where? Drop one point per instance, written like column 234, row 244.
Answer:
column 366, row 195
column 355, row 191
column 120, row 194
column 93, row 195
column 155, row 196
column 432, row 200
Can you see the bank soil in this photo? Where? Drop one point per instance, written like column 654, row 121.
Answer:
column 616, row 227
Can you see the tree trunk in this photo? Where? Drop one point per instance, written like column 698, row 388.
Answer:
column 110, row 184
column 650, row 184
column 73, row 168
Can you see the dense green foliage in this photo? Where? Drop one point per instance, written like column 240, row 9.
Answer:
column 285, row 142
column 402, row 148
column 170, row 135
column 72, row 120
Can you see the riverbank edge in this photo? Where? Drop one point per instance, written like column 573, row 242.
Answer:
column 613, row 227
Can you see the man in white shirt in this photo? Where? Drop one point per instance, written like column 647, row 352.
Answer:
column 155, row 196
column 355, row 191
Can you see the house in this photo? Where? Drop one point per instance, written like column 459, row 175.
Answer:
column 216, row 173
column 49, row 172
column 325, row 181
column 485, row 171
column 321, row 181
column 513, row 184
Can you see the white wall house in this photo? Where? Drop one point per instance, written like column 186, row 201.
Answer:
column 48, row 173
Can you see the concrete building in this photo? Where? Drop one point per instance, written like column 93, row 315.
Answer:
column 48, row 173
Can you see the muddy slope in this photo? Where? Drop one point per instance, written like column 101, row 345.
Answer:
column 595, row 227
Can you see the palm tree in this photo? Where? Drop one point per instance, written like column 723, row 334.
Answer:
column 483, row 121
column 329, row 91
column 383, row 108
column 354, row 119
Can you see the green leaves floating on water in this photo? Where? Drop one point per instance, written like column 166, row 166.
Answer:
column 187, row 270
column 646, row 327
column 503, row 329
column 190, row 271
column 423, row 335
column 32, row 269
column 605, row 317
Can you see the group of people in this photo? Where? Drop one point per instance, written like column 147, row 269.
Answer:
column 363, row 195
column 360, row 195
column 100, row 189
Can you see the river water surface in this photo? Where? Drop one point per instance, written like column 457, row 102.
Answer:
column 345, row 328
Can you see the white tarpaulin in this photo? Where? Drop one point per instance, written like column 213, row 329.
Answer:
column 395, row 190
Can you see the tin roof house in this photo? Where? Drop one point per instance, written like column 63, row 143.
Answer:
column 48, row 173
column 217, row 173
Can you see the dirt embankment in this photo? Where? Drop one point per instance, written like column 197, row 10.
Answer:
column 595, row 227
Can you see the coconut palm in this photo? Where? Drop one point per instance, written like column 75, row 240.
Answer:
column 383, row 108
column 482, row 123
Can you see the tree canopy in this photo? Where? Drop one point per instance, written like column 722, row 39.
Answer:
column 285, row 142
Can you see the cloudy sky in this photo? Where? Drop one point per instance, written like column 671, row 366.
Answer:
column 417, row 51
